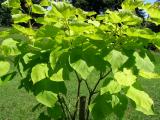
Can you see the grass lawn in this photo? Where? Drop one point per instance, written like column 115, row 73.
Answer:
column 16, row 104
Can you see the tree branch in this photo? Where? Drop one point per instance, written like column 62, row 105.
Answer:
column 101, row 77
column 78, row 96
column 61, row 103
column 89, row 89
column 93, row 91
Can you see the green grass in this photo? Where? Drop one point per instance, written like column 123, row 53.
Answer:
column 16, row 104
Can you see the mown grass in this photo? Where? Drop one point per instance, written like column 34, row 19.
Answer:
column 16, row 104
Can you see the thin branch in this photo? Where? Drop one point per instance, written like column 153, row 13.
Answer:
column 78, row 96
column 93, row 91
column 89, row 89
column 96, row 92
column 101, row 77
column 63, row 109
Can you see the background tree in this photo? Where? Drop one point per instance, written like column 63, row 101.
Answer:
column 97, row 5
column 5, row 17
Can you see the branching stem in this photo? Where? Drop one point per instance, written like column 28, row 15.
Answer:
column 93, row 91
column 78, row 96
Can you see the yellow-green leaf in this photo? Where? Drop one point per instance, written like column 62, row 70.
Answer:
column 38, row 9
column 39, row 72
column 149, row 75
column 125, row 77
column 143, row 102
column 19, row 18
column 116, row 59
column 112, row 87
column 47, row 98
column 57, row 76
column 4, row 67
column 82, row 68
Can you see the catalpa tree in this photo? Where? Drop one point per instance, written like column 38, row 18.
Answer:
column 102, row 57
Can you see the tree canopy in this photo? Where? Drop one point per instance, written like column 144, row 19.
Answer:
column 109, row 50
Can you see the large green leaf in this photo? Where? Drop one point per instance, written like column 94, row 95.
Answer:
column 28, row 57
column 49, row 85
column 95, row 23
column 149, row 75
column 125, row 17
column 105, row 105
column 125, row 77
column 38, row 9
column 47, row 31
column 39, row 72
column 4, row 67
column 101, row 107
column 113, row 17
column 112, row 87
column 116, row 59
column 142, row 33
column 144, row 63
column 153, row 11
column 143, row 102
column 14, row 3
column 131, row 4
column 57, row 76
column 47, row 98
column 45, row 3
column 18, row 18
column 54, row 57
column 10, row 47
column 65, row 9
column 128, row 18
column 53, row 13
column 24, row 30
column 82, row 68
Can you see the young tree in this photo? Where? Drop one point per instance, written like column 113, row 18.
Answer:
column 100, row 58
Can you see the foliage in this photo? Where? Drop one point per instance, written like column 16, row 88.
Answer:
column 108, row 50
column 97, row 5
column 5, row 15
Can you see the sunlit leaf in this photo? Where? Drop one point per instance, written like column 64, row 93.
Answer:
column 112, row 87
column 143, row 102
column 149, row 75
column 24, row 30
column 4, row 67
column 39, row 72
column 57, row 76
column 82, row 68
column 14, row 3
column 125, row 77
column 38, row 9
column 10, row 47
column 47, row 98
column 144, row 63
column 116, row 59
column 18, row 18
